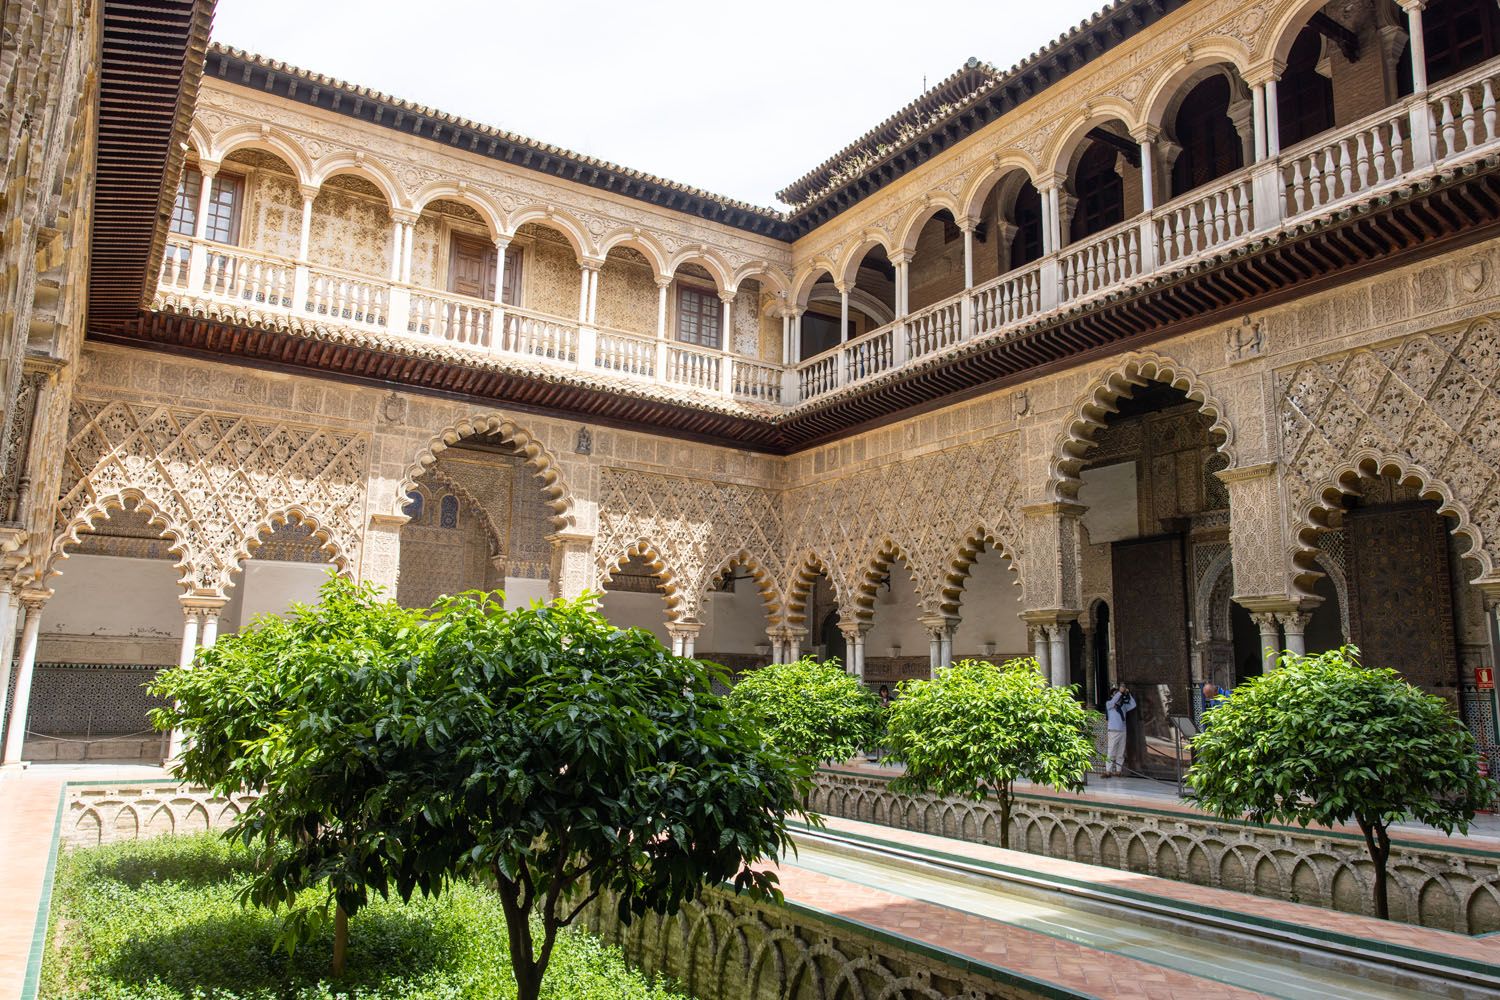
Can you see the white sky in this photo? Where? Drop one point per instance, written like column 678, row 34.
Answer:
column 738, row 99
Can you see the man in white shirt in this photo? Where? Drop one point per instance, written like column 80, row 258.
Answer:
column 1120, row 703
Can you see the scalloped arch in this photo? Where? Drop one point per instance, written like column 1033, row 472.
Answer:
column 1098, row 402
column 958, row 565
column 875, row 567
column 558, row 496
column 101, row 509
column 1341, row 482
column 765, row 581
column 333, row 549
column 807, row 567
column 671, row 584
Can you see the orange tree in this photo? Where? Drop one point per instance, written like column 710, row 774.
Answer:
column 1325, row 740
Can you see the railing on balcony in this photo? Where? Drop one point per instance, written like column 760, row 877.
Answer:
column 1457, row 120
column 628, row 353
column 456, row 319
column 698, row 368
column 540, row 336
column 757, row 380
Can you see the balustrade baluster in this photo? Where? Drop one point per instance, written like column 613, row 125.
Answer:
column 1346, row 168
column 1377, row 153
column 1447, row 128
column 1362, row 161
column 1487, row 109
column 1468, row 121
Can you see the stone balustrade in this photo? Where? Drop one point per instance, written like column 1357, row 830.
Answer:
column 1450, row 888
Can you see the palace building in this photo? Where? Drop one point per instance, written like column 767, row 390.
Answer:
column 1177, row 342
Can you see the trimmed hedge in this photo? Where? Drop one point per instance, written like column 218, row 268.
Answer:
column 159, row 920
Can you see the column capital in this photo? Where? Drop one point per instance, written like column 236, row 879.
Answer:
column 590, row 263
column 309, row 191
column 404, row 217
column 1244, row 473
column 664, row 281
column 939, row 624
column 727, row 295
column 684, row 629
column 1050, row 182
column 1264, row 72
column 208, row 168
column 34, row 599
column 1294, row 621
column 202, row 604
column 1054, row 508
column 902, row 256
column 1265, row 620
column 1049, row 617
column 856, row 630
column 1413, row 6
column 501, row 242
column 1148, row 132
column 968, row 223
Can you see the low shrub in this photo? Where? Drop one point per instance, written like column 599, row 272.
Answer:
column 160, row 920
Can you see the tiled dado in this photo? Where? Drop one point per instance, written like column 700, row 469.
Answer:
column 1453, row 888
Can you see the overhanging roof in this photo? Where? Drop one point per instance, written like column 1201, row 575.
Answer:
column 151, row 61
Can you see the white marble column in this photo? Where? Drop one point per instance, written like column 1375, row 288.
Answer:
column 1270, row 639
column 304, row 238
column 190, row 621
column 1040, row 648
column 1418, row 39
column 408, row 249
column 1294, row 624
column 1057, row 636
column 15, row 733
column 794, row 639
column 8, row 607
column 207, row 171
column 398, row 247
column 967, row 226
column 1258, row 120
column 843, row 312
column 1273, row 121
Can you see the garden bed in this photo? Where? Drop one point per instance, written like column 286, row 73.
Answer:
column 158, row 920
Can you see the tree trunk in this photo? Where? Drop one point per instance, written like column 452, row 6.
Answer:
column 1378, row 841
column 340, row 941
column 523, row 964
column 1002, row 792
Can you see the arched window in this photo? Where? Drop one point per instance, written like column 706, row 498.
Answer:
column 1101, row 193
column 449, row 512
column 1304, row 97
column 414, row 504
column 1211, row 146
column 1026, row 245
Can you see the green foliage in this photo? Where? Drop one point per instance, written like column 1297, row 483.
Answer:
column 160, row 920
column 578, row 759
column 809, row 709
column 300, row 708
column 978, row 727
column 1325, row 740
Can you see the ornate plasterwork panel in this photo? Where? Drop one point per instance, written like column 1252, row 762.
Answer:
column 213, row 481
column 1426, row 409
column 925, row 511
column 694, row 527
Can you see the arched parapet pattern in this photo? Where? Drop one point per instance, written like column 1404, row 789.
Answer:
column 918, row 215
column 1099, row 400
column 1171, row 82
column 1424, row 411
column 643, row 243
column 1061, row 153
column 465, row 194
column 266, row 138
column 563, row 222
column 960, row 562
column 707, row 258
column 847, row 267
column 99, row 509
column 556, row 493
column 805, row 568
column 1009, row 167
column 214, row 478
column 611, row 560
column 367, row 167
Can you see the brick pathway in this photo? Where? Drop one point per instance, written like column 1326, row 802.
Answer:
column 1368, row 929
column 1039, row 956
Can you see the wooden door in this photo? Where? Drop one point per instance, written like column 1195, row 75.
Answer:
column 471, row 268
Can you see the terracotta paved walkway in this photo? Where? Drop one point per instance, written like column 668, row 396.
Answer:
column 1369, row 929
column 28, row 814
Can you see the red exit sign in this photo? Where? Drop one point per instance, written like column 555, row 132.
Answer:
column 1484, row 678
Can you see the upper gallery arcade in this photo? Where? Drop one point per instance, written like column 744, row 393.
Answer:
column 1175, row 343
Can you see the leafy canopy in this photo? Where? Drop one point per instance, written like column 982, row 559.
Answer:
column 298, row 708
column 580, row 759
column 809, row 709
column 978, row 724
column 1325, row 740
